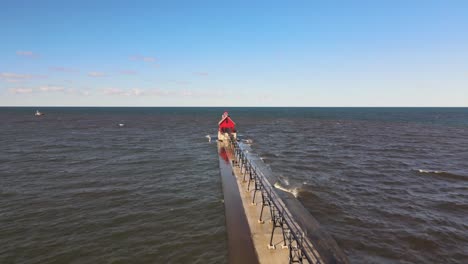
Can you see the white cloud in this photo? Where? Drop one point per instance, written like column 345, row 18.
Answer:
column 186, row 93
column 11, row 77
column 96, row 74
column 77, row 92
column 157, row 93
column 136, row 92
column 143, row 58
column 130, row 92
column 20, row 90
column 63, row 69
column 49, row 88
column 201, row 73
column 149, row 59
column 12, row 80
column 26, row 53
column 113, row 91
column 128, row 72
column 14, row 76
column 180, row 82
column 124, row 92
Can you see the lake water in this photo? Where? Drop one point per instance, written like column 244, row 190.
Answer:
column 389, row 184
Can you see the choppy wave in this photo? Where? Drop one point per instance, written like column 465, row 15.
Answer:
column 431, row 171
column 284, row 180
column 248, row 141
column 443, row 174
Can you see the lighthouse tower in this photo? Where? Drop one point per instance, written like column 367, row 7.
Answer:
column 226, row 128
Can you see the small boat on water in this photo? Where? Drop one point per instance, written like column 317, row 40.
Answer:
column 226, row 128
column 38, row 113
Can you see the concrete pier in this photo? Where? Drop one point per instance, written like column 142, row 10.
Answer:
column 242, row 217
column 272, row 228
column 261, row 231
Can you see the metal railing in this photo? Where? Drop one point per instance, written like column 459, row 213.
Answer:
column 294, row 237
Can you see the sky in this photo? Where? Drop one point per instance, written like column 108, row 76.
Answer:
column 234, row 53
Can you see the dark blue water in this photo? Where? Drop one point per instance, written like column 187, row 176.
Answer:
column 389, row 184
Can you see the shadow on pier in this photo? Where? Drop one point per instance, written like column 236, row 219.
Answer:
column 241, row 248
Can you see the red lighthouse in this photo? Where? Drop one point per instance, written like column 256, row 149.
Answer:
column 226, row 127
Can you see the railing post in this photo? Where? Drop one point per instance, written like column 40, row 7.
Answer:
column 265, row 202
column 271, row 246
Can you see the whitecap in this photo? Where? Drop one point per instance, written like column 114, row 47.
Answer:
column 430, row 171
column 294, row 191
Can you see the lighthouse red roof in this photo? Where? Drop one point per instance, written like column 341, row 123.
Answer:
column 226, row 124
column 224, row 117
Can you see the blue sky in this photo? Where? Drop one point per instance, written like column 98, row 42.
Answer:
column 236, row 53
